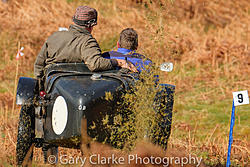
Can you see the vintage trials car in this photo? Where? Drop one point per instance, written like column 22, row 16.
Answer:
column 72, row 101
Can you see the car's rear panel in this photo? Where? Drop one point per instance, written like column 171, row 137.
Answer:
column 84, row 97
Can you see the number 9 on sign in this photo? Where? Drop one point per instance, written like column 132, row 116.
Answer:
column 240, row 98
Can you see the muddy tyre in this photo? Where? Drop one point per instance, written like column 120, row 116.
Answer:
column 26, row 133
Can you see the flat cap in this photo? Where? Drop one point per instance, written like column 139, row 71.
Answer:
column 85, row 16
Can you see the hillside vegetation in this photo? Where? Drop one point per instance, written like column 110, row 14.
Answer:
column 207, row 40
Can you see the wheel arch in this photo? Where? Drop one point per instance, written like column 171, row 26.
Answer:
column 25, row 90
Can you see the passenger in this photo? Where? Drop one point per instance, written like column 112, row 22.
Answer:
column 127, row 46
column 128, row 42
column 76, row 45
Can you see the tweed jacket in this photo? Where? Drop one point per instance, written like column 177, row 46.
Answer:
column 73, row 46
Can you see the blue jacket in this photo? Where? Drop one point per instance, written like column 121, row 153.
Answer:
column 137, row 59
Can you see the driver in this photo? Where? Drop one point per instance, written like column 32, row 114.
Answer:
column 76, row 45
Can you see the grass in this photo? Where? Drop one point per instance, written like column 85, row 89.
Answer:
column 109, row 42
column 207, row 121
column 207, row 43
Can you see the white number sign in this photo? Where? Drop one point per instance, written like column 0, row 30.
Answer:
column 240, row 98
column 63, row 29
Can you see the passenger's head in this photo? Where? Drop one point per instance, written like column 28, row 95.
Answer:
column 86, row 17
column 128, row 39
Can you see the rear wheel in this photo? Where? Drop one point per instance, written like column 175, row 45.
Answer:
column 163, row 107
column 26, row 134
